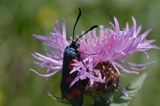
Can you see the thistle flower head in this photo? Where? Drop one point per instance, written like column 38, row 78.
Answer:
column 102, row 52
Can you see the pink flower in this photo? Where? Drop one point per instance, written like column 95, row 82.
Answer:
column 102, row 51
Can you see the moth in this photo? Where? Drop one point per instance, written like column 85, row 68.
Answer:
column 74, row 94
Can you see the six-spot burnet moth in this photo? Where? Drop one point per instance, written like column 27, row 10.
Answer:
column 74, row 94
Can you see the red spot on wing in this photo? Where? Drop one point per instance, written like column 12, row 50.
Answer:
column 74, row 93
column 69, row 80
column 71, row 65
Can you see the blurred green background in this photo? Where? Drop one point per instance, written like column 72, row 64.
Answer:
column 19, row 19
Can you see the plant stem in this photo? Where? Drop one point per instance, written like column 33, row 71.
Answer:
column 101, row 101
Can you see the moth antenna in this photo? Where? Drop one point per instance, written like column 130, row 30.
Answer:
column 78, row 17
column 91, row 28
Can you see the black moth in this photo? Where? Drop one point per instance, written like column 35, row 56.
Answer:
column 73, row 94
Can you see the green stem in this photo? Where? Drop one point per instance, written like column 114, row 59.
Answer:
column 101, row 101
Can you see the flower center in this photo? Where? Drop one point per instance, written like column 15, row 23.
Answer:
column 111, row 76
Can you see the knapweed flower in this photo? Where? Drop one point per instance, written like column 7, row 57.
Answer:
column 102, row 52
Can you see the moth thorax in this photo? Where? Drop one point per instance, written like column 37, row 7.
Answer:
column 111, row 80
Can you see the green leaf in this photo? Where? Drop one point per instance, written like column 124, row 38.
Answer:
column 121, row 100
